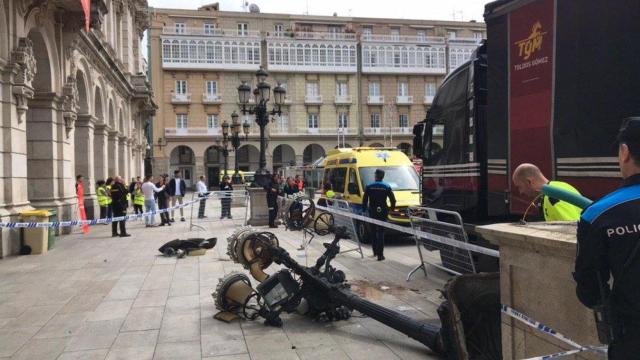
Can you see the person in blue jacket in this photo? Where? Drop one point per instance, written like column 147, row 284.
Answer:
column 375, row 201
column 608, row 247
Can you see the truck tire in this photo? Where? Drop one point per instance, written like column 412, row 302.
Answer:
column 364, row 232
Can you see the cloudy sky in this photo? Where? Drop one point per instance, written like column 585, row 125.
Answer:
column 402, row 9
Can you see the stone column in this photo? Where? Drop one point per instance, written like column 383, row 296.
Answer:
column 122, row 158
column 100, row 153
column 269, row 157
column 299, row 160
column 199, row 169
column 112, row 154
column 84, row 157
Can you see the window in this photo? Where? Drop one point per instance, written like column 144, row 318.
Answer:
column 313, row 121
column 243, row 29
column 375, row 120
column 342, row 89
column 278, row 30
column 181, row 28
column 181, row 121
column 334, row 31
column 430, row 89
column 374, row 89
column 421, row 35
column 367, row 32
column 451, row 34
column 313, row 89
column 477, row 35
column 210, row 29
column 403, row 89
column 343, row 120
column 395, row 34
column 404, row 120
column 334, row 179
column 353, row 182
column 212, row 121
column 212, row 87
column 398, row 177
column 181, row 87
column 282, row 124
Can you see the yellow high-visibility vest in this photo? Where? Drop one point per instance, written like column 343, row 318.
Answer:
column 103, row 199
column 138, row 197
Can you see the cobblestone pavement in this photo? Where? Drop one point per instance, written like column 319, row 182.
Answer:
column 98, row 297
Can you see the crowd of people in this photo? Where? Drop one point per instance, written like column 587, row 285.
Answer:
column 115, row 198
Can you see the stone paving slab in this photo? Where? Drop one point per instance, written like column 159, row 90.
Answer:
column 98, row 297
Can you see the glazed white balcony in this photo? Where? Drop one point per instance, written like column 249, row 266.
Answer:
column 200, row 31
column 313, row 99
column 406, row 59
column 375, row 100
column 179, row 52
column 343, row 100
column 324, row 36
column 294, row 55
column 428, row 99
column 191, row 131
column 404, row 100
column 181, row 98
column 388, row 38
column 211, row 98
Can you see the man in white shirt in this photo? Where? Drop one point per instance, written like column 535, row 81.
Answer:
column 203, row 192
column 177, row 189
column 148, row 190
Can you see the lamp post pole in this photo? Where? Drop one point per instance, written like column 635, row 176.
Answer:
column 262, row 93
column 232, row 132
column 225, row 153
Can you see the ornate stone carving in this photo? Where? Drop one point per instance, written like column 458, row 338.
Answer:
column 25, row 65
column 70, row 103
column 98, row 11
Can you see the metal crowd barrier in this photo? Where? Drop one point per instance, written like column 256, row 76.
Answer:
column 238, row 206
column 341, row 211
column 445, row 233
column 443, row 223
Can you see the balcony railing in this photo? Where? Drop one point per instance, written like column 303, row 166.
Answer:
column 387, row 130
column 313, row 99
column 428, row 99
column 181, row 98
column 211, row 98
column 169, row 132
column 469, row 41
column 201, row 31
column 404, row 100
column 343, row 99
column 313, row 131
column 402, row 38
column 375, row 100
column 325, row 36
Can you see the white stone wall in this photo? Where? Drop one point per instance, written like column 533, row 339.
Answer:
column 65, row 108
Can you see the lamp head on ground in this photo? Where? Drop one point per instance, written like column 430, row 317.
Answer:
column 244, row 92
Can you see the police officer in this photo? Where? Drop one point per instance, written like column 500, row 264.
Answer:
column 375, row 200
column 608, row 243
column 120, row 204
column 273, row 189
column 225, row 202
column 103, row 198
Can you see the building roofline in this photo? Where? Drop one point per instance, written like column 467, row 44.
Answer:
column 316, row 18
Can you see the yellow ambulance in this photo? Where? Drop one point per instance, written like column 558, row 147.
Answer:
column 348, row 171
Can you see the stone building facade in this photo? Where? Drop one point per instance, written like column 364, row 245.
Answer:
column 350, row 82
column 71, row 102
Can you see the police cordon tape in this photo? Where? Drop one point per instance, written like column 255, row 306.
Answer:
column 414, row 232
column 76, row 223
column 549, row 331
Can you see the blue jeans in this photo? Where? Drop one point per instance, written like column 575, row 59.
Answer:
column 150, row 205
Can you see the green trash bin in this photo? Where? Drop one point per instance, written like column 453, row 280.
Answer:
column 53, row 231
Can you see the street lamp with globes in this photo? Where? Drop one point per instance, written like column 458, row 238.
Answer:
column 232, row 133
column 262, row 94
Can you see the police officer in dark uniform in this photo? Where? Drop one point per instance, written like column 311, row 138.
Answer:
column 120, row 203
column 375, row 200
column 608, row 244
column 273, row 189
column 225, row 202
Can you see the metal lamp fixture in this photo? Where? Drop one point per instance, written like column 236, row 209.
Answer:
column 232, row 132
column 262, row 94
